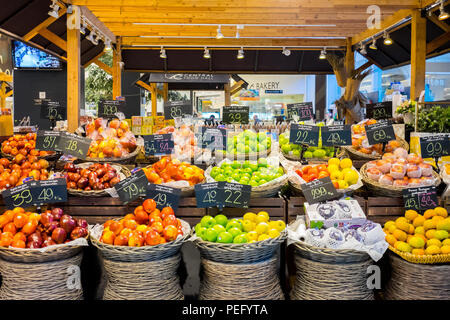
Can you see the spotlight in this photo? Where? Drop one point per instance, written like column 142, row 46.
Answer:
column 240, row 54
column 95, row 38
column 162, row 53
column 362, row 48
column 90, row 36
column 387, row 39
column 323, row 54
column 83, row 28
column 237, row 34
column 108, row 46
column 286, row 52
column 373, row 46
column 443, row 14
column 55, row 10
column 219, row 33
column 206, row 54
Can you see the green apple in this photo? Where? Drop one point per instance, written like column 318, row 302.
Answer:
column 220, row 177
column 236, row 176
column 261, row 182
column 211, row 235
column 240, row 238
column 246, row 164
column 221, row 219
column 219, row 228
column 244, row 181
column 234, row 223
column 208, row 221
column 253, row 183
column 225, row 237
column 262, row 162
column 202, row 233
column 235, row 164
column 235, row 231
column 286, row 148
column 253, row 166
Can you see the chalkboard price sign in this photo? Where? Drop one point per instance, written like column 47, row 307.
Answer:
column 20, row 196
column 109, row 108
column 236, row 114
column 158, row 144
column 234, row 195
column 173, row 109
column 377, row 111
column 206, row 194
column 434, row 146
column 421, row 198
column 380, row 132
column 164, row 196
column 303, row 110
column 132, row 187
column 73, row 145
column 47, row 140
column 53, row 111
column 304, row 134
column 214, row 138
column 319, row 190
column 338, row 135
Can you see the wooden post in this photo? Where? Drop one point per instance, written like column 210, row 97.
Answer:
column 418, row 54
column 116, row 70
column 73, row 70
column 349, row 66
column 154, row 94
column 166, row 92
column 3, row 95
column 227, row 89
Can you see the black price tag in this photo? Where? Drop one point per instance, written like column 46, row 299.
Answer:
column 304, row 134
column 158, row 144
column 338, row 135
column 20, row 196
column 47, row 140
column 421, row 198
column 109, row 108
column 173, row 109
column 74, row 145
column 380, row 132
column 164, row 196
column 233, row 195
column 53, row 111
column 434, row 146
column 236, row 115
column 378, row 111
column 319, row 190
column 214, row 138
column 132, row 187
column 303, row 110
column 206, row 194
column 49, row 191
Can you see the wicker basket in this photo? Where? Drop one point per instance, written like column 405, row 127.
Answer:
column 248, row 156
column 330, row 274
column 357, row 155
column 339, row 154
column 239, row 253
column 412, row 281
column 128, row 159
column 424, row 259
column 253, row 281
column 99, row 193
column 49, row 157
column 142, row 254
column 52, row 280
column 382, row 190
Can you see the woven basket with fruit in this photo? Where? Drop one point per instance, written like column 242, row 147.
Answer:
column 93, row 179
column 24, row 145
column 22, row 168
column 30, row 237
column 111, row 141
column 252, row 238
column 249, row 143
column 147, row 234
column 175, row 173
column 420, row 238
column 265, row 176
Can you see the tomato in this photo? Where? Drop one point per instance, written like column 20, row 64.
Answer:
column 313, row 171
column 322, row 167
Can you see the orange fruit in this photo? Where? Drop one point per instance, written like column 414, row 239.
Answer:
column 10, row 227
column 20, row 219
column 130, row 224
column 441, row 212
column 116, row 227
column 390, row 239
column 429, row 213
column 167, row 211
column 108, row 237
column 399, row 235
column 149, row 205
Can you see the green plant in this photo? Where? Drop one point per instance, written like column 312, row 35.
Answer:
column 98, row 83
column 434, row 119
column 406, row 107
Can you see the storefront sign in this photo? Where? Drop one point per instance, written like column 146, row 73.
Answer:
column 377, row 111
column 109, row 108
column 380, row 132
column 319, row 190
column 304, row 134
column 338, row 135
column 173, row 109
column 189, row 77
column 236, row 114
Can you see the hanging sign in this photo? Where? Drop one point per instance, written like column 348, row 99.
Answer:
column 337, row 135
column 214, row 138
column 380, row 132
column 52, row 110
column 236, row 114
column 164, row 196
column 109, row 108
column 303, row 110
column 378, row 111
column 304, row 134
column 173, row 109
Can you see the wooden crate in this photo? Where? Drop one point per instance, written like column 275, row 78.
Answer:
column 275, row 207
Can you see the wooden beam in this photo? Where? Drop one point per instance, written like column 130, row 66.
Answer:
column 236, row 87
column 53, row 38
column 43, row 25
column 94, row 59
column 104, row 67
column 165, row 92
column 349, row 56
column 73, row 77
column 364, row 67
column 144, row 85
column 84, row 11
column 418, row 54
column 226, row 87
column 154, row 97
column 117, row 70
column 438, row 42
column 441, row 24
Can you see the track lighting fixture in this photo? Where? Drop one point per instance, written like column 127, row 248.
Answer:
column 240, row 54
column 55, row 10
column 206, row 53
column 108, row 46
column 362, row 48
column 323, row 54
column 219, row 33
column 442, row 13
column 387, row 39
column 286, row 52
column 373, row 45
column 162, row 53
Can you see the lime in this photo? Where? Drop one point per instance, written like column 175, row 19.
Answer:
column 225, row 237
column 221, row 219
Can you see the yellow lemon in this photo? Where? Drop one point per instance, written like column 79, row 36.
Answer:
column 345, row 170
column 248, row 225
column 411, row 214
column 418, row 221
column 263, row 237
column 273, row 233
column 442, row 212
column 277, row 224
column 346, row 163
column 251, row 236
column 333, row 168
column 336, row 175
column 334, row 161
column 250, row 216
column 432, row 250
column 261, row 218
column 351, row 177
column 434, row 242
column 342, row 184
column 262, row 228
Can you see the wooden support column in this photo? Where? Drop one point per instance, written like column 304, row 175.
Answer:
column 166, row 92
column 116, row 70
column 227, row 89
column 418, row 54
column 154, row 96
column 349, row 66
column 73, row 71
column 3, row 95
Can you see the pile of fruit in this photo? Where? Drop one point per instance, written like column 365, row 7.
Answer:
column 147, row 226
column 340, row 172
column 24, row 145
column 247, row 172
column 22, row 229
column 249, row 141
column 250, row 228
column 96, row 177
column 426, row 234
column 401, row 169
column 361, row 144
column 14, row 172
column 112, row 140
column 168, row 170
column 294, row 150
column 185, row 142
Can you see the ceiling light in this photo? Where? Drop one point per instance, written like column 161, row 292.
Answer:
column 55, row 10
column 240, row 54
column 323, row 54
column 108, row 46
column 443, row 14
column 219, row 33
column 373, row 46
column 362, row 48
column 286, row 52
column 237, row 34
column 83, row 28
column 90, row 36
column 206, row 54
column 387, row 39
column 162, row 53
column 95, row 39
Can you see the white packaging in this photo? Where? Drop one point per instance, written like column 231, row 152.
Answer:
column 337, row 213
